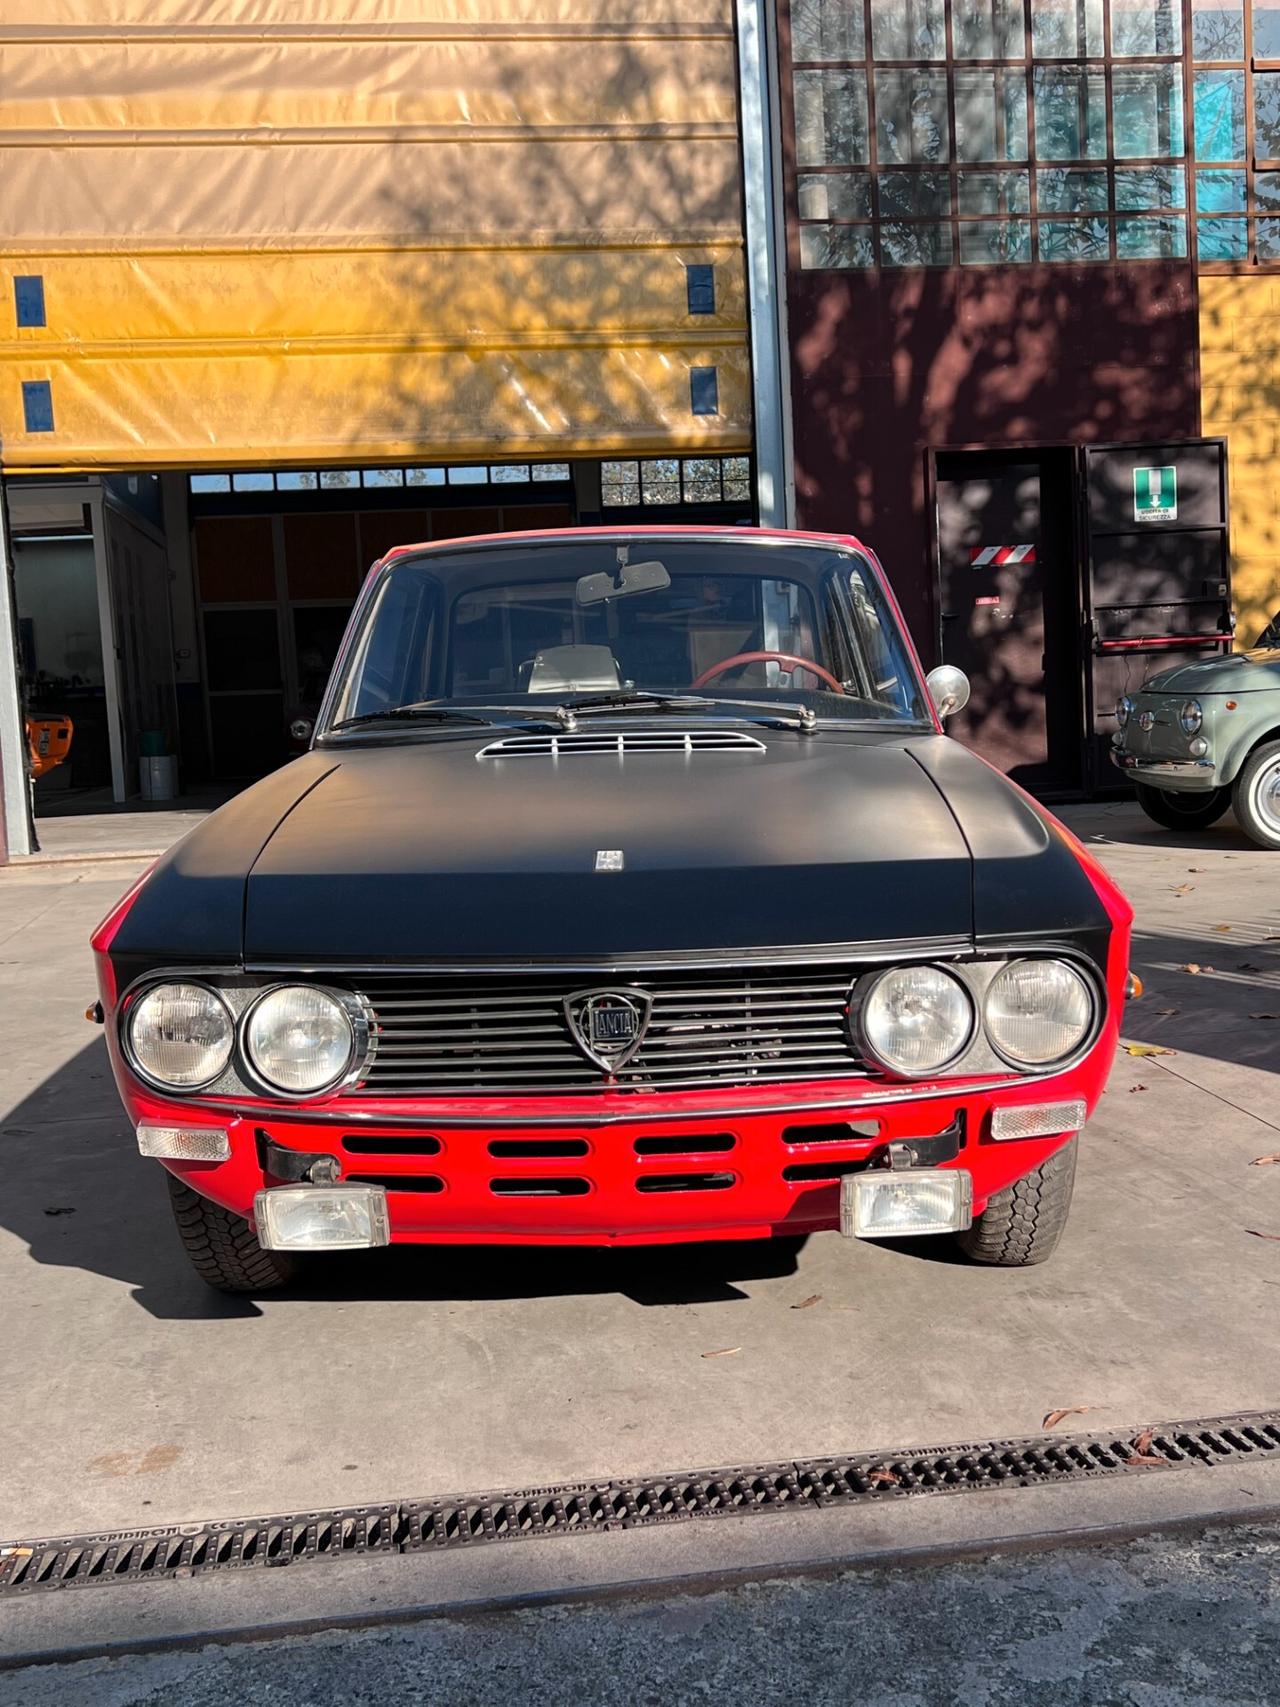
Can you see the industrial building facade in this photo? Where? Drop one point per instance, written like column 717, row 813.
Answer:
column 285, row 283
column 989, row 282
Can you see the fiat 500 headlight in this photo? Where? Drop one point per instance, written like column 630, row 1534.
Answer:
column 1124, row 710
column 1038, row 1012
column 915, row 1019
column 299, row 1040
column 179, row 1036
column 1191, row 717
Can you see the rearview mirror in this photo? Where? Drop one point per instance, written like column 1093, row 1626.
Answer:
column 948, row 688
column 627, row 578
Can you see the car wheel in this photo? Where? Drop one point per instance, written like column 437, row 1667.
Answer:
column 1257, row 796
column 1022, row 1225
column 1177, row 810
column 222, row 1247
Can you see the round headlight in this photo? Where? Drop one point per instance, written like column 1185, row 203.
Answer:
column 915, row 1019
column 1038, row 1011
column 1124, row 710
column 1191, row 717
column 299, row 1040
column 180, row 1035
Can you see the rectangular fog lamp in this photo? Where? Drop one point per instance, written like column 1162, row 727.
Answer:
column 184, row 1143
column 321, row 1217
column 1040, row 1120
column 902, row 1203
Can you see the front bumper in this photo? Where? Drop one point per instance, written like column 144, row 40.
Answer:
column 631, row 1177
column 1189, row 775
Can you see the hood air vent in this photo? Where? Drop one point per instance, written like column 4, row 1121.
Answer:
column 630, row 741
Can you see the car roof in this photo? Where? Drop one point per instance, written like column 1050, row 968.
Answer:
column 569, row 535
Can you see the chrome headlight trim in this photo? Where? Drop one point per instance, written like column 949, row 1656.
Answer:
column 1124, row 710
column 866, row 987
column 1078, row 1050
column 361, row 1035
column 1191, row 717
column 129, row 1005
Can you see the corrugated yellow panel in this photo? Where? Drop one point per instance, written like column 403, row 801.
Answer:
column 225, row 408
column 258, row 222
column 402, row 297
column 1240, row 371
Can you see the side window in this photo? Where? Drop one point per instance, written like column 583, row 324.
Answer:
column 393, row 663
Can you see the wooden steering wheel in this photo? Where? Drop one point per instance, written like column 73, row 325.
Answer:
column 791, row 659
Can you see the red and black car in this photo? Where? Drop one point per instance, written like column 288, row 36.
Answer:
column 629, row 893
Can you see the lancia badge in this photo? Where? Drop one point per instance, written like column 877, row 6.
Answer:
column 608, row 1026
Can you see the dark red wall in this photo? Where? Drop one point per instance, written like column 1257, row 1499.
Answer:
column 886, row 366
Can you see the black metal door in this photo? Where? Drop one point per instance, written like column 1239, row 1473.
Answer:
column 1159, row 587
column 1008, row 597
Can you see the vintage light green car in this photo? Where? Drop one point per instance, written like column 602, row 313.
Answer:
column 1203, row 737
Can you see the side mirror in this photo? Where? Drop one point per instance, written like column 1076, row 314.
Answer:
column 300, row 729
column 948, row 688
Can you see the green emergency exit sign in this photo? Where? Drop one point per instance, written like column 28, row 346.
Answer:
column 1155, row 494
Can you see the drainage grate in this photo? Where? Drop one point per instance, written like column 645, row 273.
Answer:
column 143, row 1555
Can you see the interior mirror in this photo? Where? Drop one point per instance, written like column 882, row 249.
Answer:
column 948, row 688
column 626, row 578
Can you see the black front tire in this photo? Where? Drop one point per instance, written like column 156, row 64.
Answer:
column 1177, row 810
column 222, row 1247
column 1022, row 1224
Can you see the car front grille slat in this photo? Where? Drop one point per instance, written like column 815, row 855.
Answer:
column 496, row 1033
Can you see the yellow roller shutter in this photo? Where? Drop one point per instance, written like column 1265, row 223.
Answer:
column 296, row 231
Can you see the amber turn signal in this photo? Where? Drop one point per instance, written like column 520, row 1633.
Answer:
column 1132, row 987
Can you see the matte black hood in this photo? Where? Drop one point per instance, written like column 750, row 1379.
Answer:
column 418, row 851
column 422, row 851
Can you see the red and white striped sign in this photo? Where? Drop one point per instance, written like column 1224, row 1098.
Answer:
column 981, row 555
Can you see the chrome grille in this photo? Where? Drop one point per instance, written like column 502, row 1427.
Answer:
column 766, row 1026
column 628, row 741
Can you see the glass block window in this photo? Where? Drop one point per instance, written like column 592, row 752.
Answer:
column 668, row 481
column 909, row 114
column 1235, row 123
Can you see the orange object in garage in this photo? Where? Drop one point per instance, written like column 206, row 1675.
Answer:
column 49, row 741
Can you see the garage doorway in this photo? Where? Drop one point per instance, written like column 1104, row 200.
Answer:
column 1009, row 602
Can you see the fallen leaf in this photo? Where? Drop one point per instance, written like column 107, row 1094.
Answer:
column 1055, row 1417
column 1265, row 1161
column 1142, row 1453
column 1166, row 1011
column 1146, row 1049
column 1192, row 966
column 1257, row 1235
column 1248, row 966
column 60, row 1209
column 1197, row 868
column 1133, row 1088
column 1184, row 888
column 1221, row 927
column 725, row 1351
column 1264, row 1016
column 814, row 1298
column 881, row 1477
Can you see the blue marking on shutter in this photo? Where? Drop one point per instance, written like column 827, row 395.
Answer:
column 700, row 283
column 704, row 391
column 37, row 405
column 28, row 299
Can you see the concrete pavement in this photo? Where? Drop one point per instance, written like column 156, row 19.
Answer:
column 140, row 1397
column 1162, row 1622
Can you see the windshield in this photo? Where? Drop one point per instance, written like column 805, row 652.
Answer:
column 528, row 628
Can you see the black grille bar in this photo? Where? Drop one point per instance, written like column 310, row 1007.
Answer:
column 736, row 1026
column 577, row 1508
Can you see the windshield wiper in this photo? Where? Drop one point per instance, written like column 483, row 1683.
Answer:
column 785, row 716
column 419, row 713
